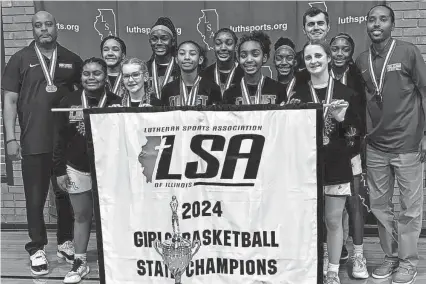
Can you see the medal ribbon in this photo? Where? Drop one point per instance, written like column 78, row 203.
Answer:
column 166, row 76
column 85, row 103
column 117, row 83
column 379, row 87
column 328, row 96
column 290, row 87
column 344, row 78
column 127, row 101
column 189, row 100
column 49, row 74
column 246, row 95
column 228, row 81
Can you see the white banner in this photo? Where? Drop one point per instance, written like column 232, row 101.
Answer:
column 236, row 191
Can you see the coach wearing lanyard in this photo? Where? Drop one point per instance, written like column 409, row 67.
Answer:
column 395, row 75
column 34, row 81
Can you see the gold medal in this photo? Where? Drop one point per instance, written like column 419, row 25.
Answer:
column 325, row 140
column 51, row 88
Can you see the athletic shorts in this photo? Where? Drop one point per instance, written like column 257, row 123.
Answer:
column 79, row 181
column 343, row 189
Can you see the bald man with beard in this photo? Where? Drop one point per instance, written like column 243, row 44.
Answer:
column 34, row 81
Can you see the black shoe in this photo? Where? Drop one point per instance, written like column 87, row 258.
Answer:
column 39, row 263
column 344, row 256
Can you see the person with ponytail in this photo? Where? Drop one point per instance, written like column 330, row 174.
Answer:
column 161, row 66
column 254, row 87
column 135, row 80
column 340, row 139
column 113, row 51
column 225, row 72
column 285, row 62
column 71, row 162
column 190, row 89
column 344, row 69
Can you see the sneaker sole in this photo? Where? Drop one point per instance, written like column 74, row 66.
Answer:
column 375, row 276
column 360, row 275
column 61, row 256
column 411, row 282
column 81, row 277
column 44, row 272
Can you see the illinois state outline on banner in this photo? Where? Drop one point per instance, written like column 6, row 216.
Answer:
column 220, row 197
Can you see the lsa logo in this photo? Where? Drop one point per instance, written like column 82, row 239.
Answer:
column 105, row 23
column 162, row 150
column 207, row 25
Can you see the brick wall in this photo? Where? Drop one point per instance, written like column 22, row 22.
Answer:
column 410, row 25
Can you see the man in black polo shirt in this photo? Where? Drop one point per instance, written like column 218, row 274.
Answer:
column 34, row 81
column 395, row 76
column 316, row 25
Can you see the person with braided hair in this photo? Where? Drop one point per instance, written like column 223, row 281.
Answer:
column 162, row 67
column 135, row 80
column 254, row 87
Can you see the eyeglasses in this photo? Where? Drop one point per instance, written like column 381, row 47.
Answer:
column 135, row 76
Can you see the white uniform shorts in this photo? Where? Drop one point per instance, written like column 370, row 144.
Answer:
column 79, row 181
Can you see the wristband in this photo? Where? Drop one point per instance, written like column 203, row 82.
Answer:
column 7, row 142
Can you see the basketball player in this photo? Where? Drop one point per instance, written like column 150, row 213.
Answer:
column 190, row 89
column 285, row 63
column 254, row 87
column 71, row 160
column 113, row 51
column 135, row 81
column 162, row 67
column 225, row 72
column 340, row 139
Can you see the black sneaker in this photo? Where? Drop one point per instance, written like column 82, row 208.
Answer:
column 39, row 264
column 344, row 256
column 66, row 251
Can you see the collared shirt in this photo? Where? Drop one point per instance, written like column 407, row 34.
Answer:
column 23, row 75
column 398, row 126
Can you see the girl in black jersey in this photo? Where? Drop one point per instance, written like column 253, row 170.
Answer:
column 190, row 89
column 71, row 164
column 135, row 80
column 225, row 72
column 162, row 67
column 285, row 63
column 340, row 139
column 254, row 88
column 113, row 51
column 344, row 69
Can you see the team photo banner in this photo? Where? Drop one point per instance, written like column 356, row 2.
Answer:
column 195, row 197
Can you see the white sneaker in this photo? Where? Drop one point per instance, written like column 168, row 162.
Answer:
column 332, row 278
column 39, row 264
column 78, row 271
column 359, row 267
column 66, row 251
column 325, row 267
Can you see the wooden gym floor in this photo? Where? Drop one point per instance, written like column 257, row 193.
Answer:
column 15, row 262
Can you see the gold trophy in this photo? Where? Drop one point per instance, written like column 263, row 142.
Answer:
column 177, row 251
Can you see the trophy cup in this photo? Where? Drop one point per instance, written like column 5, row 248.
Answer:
column 177, row 251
